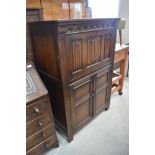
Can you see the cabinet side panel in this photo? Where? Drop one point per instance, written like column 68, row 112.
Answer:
column 45, row 48
column 57, row 100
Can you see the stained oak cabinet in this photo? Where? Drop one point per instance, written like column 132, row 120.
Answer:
column 75, row 60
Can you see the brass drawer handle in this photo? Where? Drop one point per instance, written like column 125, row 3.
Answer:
column 46, row 145
column 36, row 111
column 40, row 124
column 45, row 100
column 43, row 134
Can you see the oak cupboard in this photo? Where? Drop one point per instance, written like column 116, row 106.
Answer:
column 75, row 60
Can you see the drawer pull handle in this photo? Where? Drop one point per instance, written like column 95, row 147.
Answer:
column 36, row 111
column 43, row 134
column 46, row 145
column 45, row 100
column 40, row 124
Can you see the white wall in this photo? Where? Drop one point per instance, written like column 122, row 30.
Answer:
column 123, row 12
column 104, row 8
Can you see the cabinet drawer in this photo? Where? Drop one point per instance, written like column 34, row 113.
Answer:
column 38, row 124
column 39, row 136
column 36, row 109
column 40, row 148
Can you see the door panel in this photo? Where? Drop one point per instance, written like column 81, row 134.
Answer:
column 82, row 112
column 81, row 101
column 86, row 52
column 102, row 78
column 100, row 98
column 101, row 88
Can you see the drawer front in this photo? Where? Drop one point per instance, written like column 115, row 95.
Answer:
column 38, row 124
column 36, row 109
column 40, row 148
column 39, row 136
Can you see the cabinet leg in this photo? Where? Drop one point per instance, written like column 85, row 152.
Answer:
column 107, row 107
column 69, row 139
column 56, row 145
column 120, row 93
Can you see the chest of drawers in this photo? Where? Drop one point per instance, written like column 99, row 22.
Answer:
column 40, row 128
column 75, row 60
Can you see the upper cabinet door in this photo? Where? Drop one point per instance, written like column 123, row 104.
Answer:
column 85, row 52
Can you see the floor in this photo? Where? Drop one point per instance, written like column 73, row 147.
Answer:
column 107, row 134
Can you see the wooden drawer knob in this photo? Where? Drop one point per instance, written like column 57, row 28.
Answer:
column 36, row 111
column 40, row 124
column 46, row 145
column 43, row 134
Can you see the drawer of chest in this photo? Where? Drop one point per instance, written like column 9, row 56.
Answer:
column 38, row 124
column 40, row 148
column 39, row 136
column 36, row 109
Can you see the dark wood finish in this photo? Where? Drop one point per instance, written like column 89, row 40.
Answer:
column 75, row 60
column 120, row 58
column 39, row 118
column 43, row 146
column 31, row 16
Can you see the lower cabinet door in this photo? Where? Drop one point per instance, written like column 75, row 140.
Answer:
column 81, row 102
column 100, row 99
column 101, row 88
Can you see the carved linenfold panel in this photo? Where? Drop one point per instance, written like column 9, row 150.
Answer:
column 93, row 50
column 107, row 45
column 76, row 55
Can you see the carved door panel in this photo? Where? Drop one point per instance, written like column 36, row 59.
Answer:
column 98, row 47
column 100, row 90
column 93, row 49
column 81, row 102
column 74, row 53
column 106, row 43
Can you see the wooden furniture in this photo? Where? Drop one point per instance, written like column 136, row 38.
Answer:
column 75, row 60
column 59, row 9
column 32, row 15
column 40, row 128
column 119, row 62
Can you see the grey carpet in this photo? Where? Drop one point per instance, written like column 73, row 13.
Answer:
column 107, row 134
